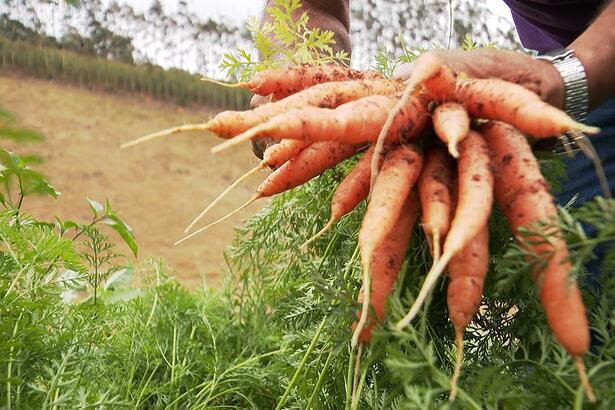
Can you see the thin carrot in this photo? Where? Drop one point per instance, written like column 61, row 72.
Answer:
column 349, row 193
column 386, row 263
column 164, row 133
column 523, row 195
column 475, row 197
column 514, row 104
column 309, row 163
column 434, row 187
column 228, row 124
column 327, row 95
column 451, row 123
column 467, row 271
column 351, row 123
column 398, row 175
column 282, row 82
column 273, row 157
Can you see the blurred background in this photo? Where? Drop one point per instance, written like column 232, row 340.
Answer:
column 92, row 74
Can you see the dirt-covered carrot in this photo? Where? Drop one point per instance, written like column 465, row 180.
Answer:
column 451, row 123
column 434, row 186
column 349, row 193
column 514, row 104
column 309, row 163
column 437, row 79
column 386, row 263
column 351, row 123
column 398, row 175
column 282, row 82
column 273, row 157
column 327, row 95
column 228, row 124
column 428, row 70
column 475, row 198
column 522, row 193
column 466, row 271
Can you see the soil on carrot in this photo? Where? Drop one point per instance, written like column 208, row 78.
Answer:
column 157, row 187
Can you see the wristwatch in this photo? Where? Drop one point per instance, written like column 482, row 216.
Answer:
column 576, row 91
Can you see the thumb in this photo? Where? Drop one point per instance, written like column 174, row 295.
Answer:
column 403, row 71
column 259, row 100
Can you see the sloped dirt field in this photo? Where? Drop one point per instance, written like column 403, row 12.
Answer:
column 157, row 187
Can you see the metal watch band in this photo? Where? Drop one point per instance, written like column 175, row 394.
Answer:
column 576, row 92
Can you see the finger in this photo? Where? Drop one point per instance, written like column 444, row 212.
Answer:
column 403, row 71
column 259, row 145
column 259, row 100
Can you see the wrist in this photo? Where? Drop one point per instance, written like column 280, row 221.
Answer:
column 571, row 92
column 553, row 84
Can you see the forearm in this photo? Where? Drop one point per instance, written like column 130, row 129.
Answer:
column 596, row 50
column 332, row 15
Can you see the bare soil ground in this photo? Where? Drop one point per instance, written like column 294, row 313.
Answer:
column 157, row 187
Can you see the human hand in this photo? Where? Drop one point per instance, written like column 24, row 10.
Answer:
column 538, row 76
column 259, row 145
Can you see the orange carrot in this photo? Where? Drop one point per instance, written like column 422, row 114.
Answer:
column 467, row 271
column 436, row 78
column 228, row 124
column 386, row 263
column 309, row 163
column 398, row 175
column 277, row 154
column 523, row 195
column 475, row 197
column 327, row 95
column 451, row 123
column 428, row 70
column 349, row 193
column 351, row 123
column 273, row 157
column 282, row 82
column 434, row 186
column 514, row 104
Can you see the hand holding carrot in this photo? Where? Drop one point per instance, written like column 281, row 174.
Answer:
column 538, row 76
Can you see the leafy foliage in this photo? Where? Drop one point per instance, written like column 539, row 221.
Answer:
column 283, row 38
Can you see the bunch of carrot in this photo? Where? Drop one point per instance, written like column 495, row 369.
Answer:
column 324, row 115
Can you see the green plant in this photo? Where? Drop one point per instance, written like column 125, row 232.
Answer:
column 283, row 38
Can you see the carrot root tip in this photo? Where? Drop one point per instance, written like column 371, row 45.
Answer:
column 436, row 246
column 428, row 284
column 246, row 136
column 217, row 221
column 164, row 133
column 452, row 149
column 458, row 363
column 329, row 224
column 587, row 129
column 356, row 376
column 223, row 84
column 239, row 180
column 578, row 360
column 366, row 295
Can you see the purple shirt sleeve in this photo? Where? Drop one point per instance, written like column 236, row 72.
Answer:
column 545, row 25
